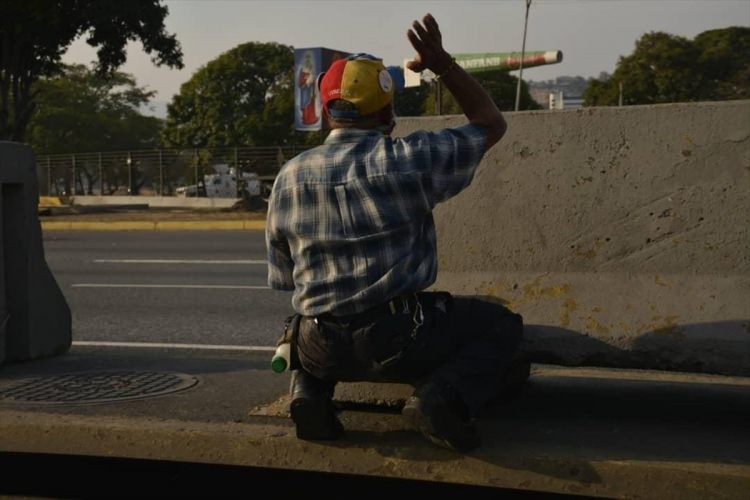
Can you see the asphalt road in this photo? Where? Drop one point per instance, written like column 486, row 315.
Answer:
column 187, row 287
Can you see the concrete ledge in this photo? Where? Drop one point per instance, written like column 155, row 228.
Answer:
column 49, row 201
column 273, row 445
column 596, row 432
column 135, row 225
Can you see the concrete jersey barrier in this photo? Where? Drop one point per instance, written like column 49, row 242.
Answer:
column 620, row 234
column 35, row 319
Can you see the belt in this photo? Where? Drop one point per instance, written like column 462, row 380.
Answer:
column 404, row 304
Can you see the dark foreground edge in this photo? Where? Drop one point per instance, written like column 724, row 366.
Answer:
column 77, row 476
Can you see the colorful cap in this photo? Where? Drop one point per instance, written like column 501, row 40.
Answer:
column 360, row 79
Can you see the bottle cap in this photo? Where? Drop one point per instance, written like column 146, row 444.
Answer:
column 278, row 364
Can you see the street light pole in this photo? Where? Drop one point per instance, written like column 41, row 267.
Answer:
column 523, row 53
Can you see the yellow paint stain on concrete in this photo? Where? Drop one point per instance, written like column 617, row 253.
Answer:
column 592, row 324
column 568, row 307
column 533, row 291
column 659, row 281
column 588, row 254
column 664, row 326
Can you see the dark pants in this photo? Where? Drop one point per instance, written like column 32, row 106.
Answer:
column 464, row 342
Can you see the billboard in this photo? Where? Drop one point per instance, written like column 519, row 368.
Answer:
column 308, row 64
column 507, row 60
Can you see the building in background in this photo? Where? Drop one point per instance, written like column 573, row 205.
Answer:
column 564, row 92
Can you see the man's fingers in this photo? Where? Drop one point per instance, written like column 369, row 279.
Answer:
column 415, row 41
column 415, row 66
column 423, row 35
column 431, row 24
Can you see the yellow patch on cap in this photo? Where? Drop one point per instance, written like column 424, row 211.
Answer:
column 366, row 84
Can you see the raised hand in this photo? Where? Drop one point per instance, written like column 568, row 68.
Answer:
column 428, row 42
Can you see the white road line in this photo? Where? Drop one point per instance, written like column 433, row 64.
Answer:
column 156, row 345
column 137, row 285
column 179, row 261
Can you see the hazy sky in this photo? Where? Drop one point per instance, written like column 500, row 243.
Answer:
column 591, row 33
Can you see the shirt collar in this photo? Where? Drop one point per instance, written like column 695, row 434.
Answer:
column 339, row 135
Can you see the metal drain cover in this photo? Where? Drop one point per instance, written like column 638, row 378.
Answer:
column 95, row 387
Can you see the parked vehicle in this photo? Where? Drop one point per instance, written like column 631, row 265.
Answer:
column 223, row 184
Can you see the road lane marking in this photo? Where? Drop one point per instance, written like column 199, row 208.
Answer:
column 137, row 285
column 179, row 261
column 157, row 345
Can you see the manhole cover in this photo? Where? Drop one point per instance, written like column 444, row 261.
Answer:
column 96, row 387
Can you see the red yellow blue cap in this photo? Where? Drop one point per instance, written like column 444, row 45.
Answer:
column 361, row 80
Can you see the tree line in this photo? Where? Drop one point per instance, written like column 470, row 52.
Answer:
column 245, row 95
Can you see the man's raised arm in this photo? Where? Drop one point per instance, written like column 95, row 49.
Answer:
column 475, row 102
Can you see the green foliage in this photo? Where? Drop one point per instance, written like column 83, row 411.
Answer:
column 80, row 110
column 243, row 97
column 668, row 68
column 499, row 84
column 35, row 33
column 725, row 63
column 411, row 101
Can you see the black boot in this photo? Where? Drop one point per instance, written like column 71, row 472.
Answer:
column 311, row 407
column 442, row 417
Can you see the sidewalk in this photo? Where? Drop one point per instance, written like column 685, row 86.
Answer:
column 612, row 433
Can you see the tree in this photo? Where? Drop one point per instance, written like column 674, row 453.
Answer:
column 668, row 68
column 501, row 86
column 725, row 63
column 80, row 110
column 243, row 97
column 34, row 34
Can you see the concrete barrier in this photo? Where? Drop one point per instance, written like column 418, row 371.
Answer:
column 155, row 201
column 35, row 320
column 620, row 234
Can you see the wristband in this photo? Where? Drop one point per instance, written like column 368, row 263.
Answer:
column 450, row 67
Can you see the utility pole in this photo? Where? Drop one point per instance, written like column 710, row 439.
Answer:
column 523, row 54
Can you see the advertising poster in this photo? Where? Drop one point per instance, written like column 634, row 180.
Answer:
column 308, row 64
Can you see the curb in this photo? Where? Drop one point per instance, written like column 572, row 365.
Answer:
column 218, row 225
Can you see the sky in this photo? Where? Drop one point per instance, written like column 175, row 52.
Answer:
column 592, row 34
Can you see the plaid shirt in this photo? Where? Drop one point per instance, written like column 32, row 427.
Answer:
column 350, row 222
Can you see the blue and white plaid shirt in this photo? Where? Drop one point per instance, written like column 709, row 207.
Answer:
column 350, row 222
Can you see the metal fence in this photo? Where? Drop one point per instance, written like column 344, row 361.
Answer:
column 150, row 172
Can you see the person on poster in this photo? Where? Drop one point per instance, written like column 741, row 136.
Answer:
column 306, row 84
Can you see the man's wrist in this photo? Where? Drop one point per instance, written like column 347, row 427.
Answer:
column 452, row 64
column 443, row 64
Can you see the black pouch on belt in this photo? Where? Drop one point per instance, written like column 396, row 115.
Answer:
column 290, row 335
